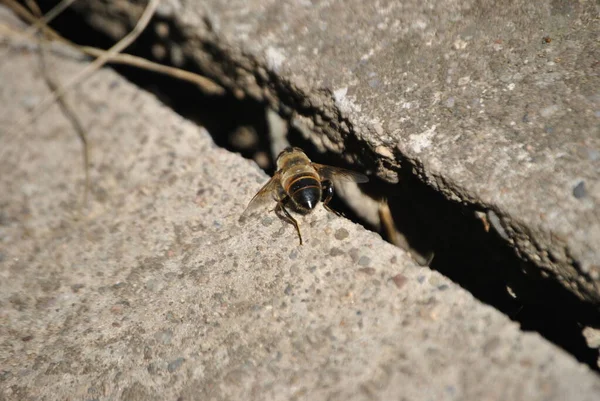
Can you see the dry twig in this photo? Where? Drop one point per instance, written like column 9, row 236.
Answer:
column 38, row 23
column 112, row 55
column 44, row 20
column 95, row 65
column 62, row 101
column 70, row 114
column 205, row 84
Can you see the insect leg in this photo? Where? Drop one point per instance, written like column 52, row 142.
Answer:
column 286, row 215
column 327, row 189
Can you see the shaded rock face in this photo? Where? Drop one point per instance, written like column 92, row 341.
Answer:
column 154, row 291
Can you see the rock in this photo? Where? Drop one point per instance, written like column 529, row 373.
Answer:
column 337, row 335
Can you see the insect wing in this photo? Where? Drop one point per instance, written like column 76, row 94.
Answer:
column 268, row 193
column 339, row 174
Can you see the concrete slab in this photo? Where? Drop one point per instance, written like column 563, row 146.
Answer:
column 154, row 291
column 495, row 106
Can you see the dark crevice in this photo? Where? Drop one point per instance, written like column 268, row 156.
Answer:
column 481, row 262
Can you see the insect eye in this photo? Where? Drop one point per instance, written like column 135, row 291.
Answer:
column 289, row 149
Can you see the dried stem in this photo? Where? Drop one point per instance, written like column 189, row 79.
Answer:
column 112, row 55
column 70, row 114
column 62, row 101
column 96, row 64
column 50, row 15
column 205, row 84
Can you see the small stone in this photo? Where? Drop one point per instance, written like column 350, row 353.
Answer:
column 93, row 390
column 288, row 290
column 136, row 392
column 76, row 287
column 496, row 224
column 154, row 368
column 153, row 285
column 592, row 337
column 294, row 270
column 341, row 234
column 435, row 280
column 364, row 261
column 400, row 280
column 172, row 318
column 579, row 190
column 174, row 365
column 592, row 154
column 336, row 252
column 116, row 309
column 378, row 129
column 147, row 353
column 30, row 101
column 549, row 111
column 119, row 285
column 459, row 44
column 354, row 252
column 367, row 270
column 164, row 336
column 462, row 81
column 384, row 151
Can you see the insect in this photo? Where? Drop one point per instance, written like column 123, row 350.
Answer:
column 301, row 184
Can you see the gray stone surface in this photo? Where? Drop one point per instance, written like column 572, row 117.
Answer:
column 154, row 291
column 497, row 105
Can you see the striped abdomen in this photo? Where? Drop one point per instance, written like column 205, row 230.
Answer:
column 304, row 189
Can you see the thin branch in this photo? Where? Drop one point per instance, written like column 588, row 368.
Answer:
column 70, row 114
column 95, row 65
column 28, row 17
column 207, row 85
column 35, row 9
column 62, row 101
column 49, row 16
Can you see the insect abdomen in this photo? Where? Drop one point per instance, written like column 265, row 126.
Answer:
column 305, row 191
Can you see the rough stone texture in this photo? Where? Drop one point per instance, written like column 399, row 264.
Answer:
column 497, row 105
column 154, row 291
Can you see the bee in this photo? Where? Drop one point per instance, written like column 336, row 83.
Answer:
column 301, row 184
